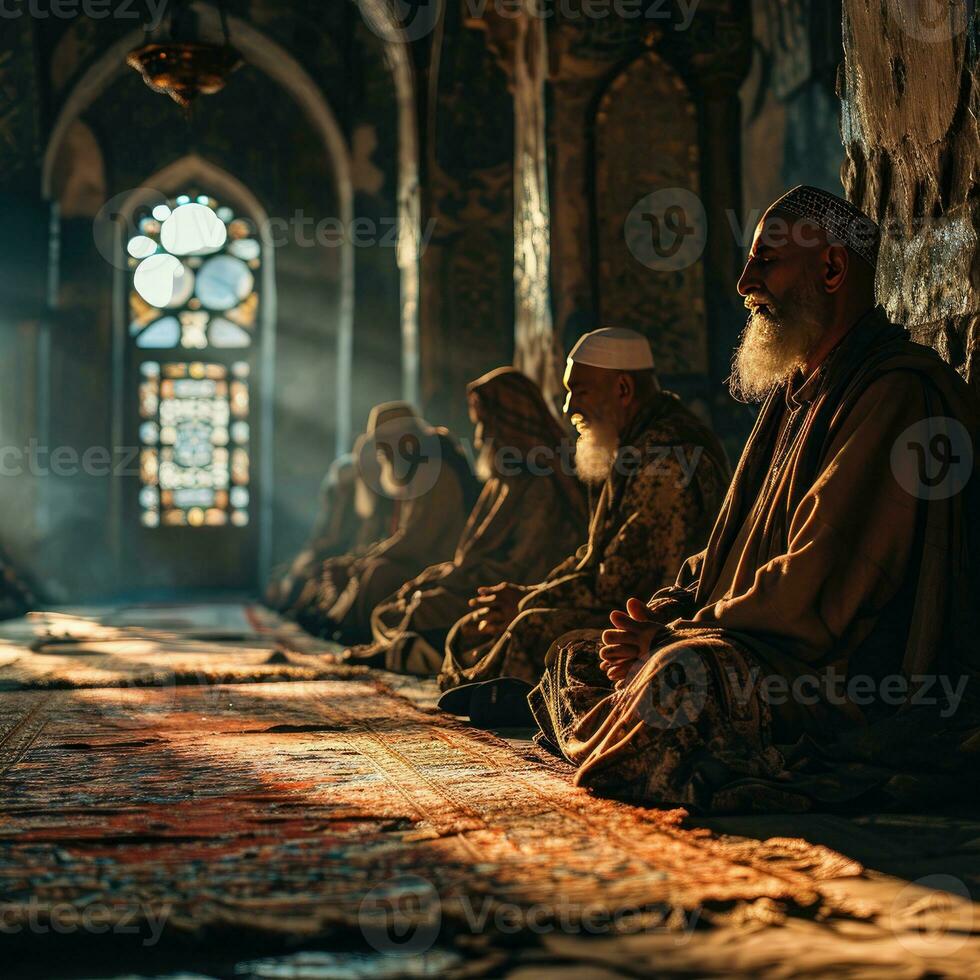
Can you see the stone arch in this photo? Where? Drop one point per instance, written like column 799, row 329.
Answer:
column 397, row 56
column 277, row 63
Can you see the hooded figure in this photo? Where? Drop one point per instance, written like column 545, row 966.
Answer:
column 422, row 471
column 353, row 516
column 531, row 512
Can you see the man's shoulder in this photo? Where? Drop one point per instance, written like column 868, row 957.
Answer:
column 910, row 369
column 674, row 424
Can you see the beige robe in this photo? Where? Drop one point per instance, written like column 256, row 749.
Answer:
column 427, row 531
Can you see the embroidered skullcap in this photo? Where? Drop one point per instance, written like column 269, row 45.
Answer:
column 839, row 218
column 614, row 348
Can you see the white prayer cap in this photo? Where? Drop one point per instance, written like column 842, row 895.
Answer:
column 614, row 348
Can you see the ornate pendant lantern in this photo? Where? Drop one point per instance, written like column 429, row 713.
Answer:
column 186, row 66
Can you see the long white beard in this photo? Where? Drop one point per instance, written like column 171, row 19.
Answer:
column 775, row 345
column 595, row 453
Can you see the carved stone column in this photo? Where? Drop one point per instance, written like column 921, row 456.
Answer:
column 910, row 94
column 467, row 268
column 519, row 41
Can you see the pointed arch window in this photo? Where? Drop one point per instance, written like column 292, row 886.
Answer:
column 193, row 308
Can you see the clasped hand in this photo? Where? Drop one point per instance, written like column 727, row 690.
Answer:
column 629, row 642
column 497, row 607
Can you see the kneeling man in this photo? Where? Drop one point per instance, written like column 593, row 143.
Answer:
column 841, row 555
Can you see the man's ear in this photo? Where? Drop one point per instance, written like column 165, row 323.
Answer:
column 835, row 265
column 625, row 388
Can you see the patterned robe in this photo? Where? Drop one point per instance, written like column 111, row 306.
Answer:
column 840, row 567
column 647, row 517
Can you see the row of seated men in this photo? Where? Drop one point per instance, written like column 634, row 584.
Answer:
column 803, row 633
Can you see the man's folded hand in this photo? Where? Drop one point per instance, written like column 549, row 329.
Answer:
column 629, row 642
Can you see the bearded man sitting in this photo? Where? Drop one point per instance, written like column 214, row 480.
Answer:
column 657, row 473
column 786, row 667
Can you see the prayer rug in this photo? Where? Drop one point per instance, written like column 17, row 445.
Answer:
column 179, row 645
column 316, row 807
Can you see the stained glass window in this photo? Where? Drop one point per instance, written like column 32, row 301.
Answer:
column 194, row 267
column 194, row 435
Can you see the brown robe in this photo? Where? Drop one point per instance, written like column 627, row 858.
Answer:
column 427, row 529
column 333, row 533
column 648, row 515
column 528, row 513
column 833, row 563
column 427, row 516
column 516, row 531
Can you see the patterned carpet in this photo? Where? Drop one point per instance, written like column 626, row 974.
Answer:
column 325, row 804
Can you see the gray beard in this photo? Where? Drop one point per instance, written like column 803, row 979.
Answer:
column 774, row 346
column 595, row 453
column 484, row 462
